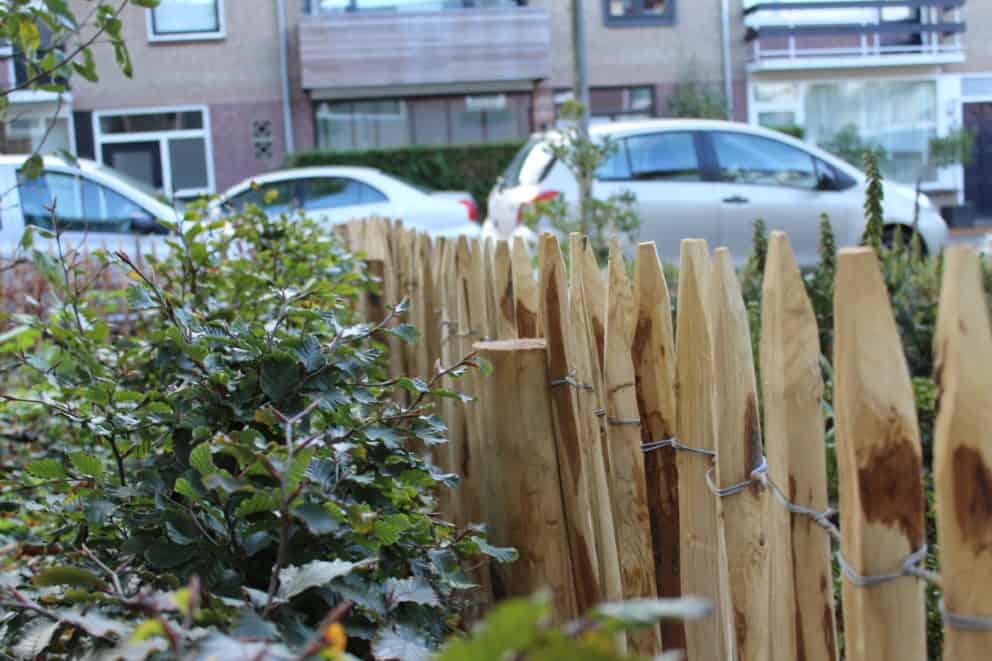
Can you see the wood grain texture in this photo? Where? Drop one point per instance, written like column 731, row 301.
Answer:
column 592, row 280
column 504, row 306
column 738, row 452
column 424, row 308
column 879, row 466
column 376, row 247
column 792, row 385
column 452, row 411
column 527, row 466
column 524, row 291
column 963, row 454
column 461, row 340
column 696, row 428
column 422, row 48
column 628, row 483
column 653, row 353
column 593, row 442
column 574, row 473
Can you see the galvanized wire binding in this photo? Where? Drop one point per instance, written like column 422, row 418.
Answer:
column 965, row 622
column 570, row 380
column 673, row 443
column 616, row 422
column 723, row 492
column 910, row 568
column 820, row 518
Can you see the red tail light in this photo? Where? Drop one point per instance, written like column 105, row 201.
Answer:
column 543, row 196
column 473, row 211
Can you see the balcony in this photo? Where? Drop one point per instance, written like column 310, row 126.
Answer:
column 827, row 34
column 484, row 45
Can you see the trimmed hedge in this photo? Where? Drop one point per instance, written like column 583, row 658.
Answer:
column 472, row 168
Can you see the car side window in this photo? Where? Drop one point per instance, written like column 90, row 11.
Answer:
column 616, row 165
column 274, row 198
column 752, row 159
column 79, row 205
column 335, row 192
column 669, row 156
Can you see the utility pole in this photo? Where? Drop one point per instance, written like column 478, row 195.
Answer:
column 580, row 92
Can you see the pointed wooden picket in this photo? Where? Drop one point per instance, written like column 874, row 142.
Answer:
column 803, row 607
column 626, row 465
column 553, row 307
column 963, row 453
column 653, row 353
column 504, row 301
column 879, row 466
column 524, row 291
column 738, row 454
column 593, row 443
column 696, row 428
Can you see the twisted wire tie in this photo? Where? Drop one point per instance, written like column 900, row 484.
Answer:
column 910, row 568
column 570, row 380
column 616, row 422
column 675, row 445
column 723, row 492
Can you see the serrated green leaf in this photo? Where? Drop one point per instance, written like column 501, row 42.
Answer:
column 410, row 590
column 47, row 469
column 310, row 354
column 69, row 576
column 28, row 35
column 185, row 488
column 280, row 373
column 400, row 642
column 201, row 458
column 260, row 501
column 387, row 435
column 298, row 469
column 407, row 332
column 502, row 554
column 317, row 519
column 86, row 464
column 389, row 528
column 36, row 638
column 294, row 580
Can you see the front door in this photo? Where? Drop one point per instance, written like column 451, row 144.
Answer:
column 978, row 175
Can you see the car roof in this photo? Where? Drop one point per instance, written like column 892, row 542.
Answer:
column 315, row 171
column 50, row 160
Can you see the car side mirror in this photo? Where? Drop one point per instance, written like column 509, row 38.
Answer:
column 825, row 182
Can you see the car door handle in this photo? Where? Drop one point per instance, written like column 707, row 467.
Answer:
column 736, row 199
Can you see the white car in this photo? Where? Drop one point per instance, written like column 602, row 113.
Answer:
column 94, row 205
column 337, row 194
column 711, row 180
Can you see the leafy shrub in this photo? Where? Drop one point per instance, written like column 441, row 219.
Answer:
column 234, row 477
column 472, row 168
column 697, row 100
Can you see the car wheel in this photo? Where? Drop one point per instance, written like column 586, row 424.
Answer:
column 893, row 234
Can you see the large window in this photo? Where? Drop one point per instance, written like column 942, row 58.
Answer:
column 168, row 149
column 614, row 103
column 337, row 6
column 663, row 157
column 638, row 12
column 383, row 123
column 80, row 205
column 898, row 116
column 186, row 19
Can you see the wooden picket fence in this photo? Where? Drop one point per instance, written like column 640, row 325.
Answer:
column 625, row 458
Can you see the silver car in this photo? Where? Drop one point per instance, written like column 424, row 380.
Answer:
column 711, row 180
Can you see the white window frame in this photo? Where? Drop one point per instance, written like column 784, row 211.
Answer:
column 219, row 33
column 100, row 139
column 946, row 177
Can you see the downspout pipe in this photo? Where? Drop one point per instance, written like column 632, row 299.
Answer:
column 287, row 111
column 728, row 73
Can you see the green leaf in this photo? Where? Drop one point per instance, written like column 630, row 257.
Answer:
column 294, row 580
column 36, row 639
column 389, row 528
column 649, row 611
column 387, row 435
column 485, row 367
column 260, row 501
column 400, row 642
column 317, row 519
column 280, row 375
column 185, row 488
column 147, row 4
column 250, row 625
column 201, row 458
column 86, row 464
column 413, row 385
column 301, row 461
column 47, row 469
column 512, row 625
column 502, row 554
column 310, row 354
column 67, row 575
column 410, row 590
column 407, row 332
column 28, row 35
